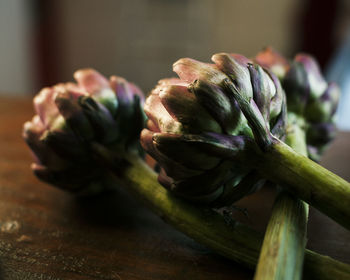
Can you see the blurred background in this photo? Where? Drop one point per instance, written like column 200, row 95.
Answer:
column 44, row 42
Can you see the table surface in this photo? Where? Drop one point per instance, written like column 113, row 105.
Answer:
column 46, row 233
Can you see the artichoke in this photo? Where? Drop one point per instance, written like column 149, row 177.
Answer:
column 198, row 133
column 78, row 126
column 309, row 96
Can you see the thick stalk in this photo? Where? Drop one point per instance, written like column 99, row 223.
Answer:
column 307, row 180
column 282, row 252
column 234, row 240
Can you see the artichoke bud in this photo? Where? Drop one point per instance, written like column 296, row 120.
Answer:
column 73, row 119
column 254, row 89
column 198, row 132
column 308, row 95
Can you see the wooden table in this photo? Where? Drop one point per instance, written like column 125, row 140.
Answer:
column 48, row 234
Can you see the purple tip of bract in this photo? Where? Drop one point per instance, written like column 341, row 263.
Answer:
column 91, row 80
column 332, row 95
column 309, row 63
column 241, row 59
column 189, row 70
column 317, row 82
column 261, row 94
column 236, row 68
column 122, row 88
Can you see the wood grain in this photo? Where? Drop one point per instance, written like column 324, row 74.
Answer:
column 48, row 234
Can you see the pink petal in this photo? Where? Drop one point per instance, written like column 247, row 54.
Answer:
column 157, row 113
column 241, row 59
column 45, row 107
column 91, row 80
column 33, row 128
column 152, row 126
column 75, row 90
column 190, row 70
column 173, row 81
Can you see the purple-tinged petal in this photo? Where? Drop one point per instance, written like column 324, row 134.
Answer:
column 223, row 109
column 155, row 111
column 278, row 100
column 91, row 80
column 173, row 81
column 74, row 115
column 152, row 126
column 74, row 90
column 236, row 70
column 184, row 107
column 45, row 106
column 263, row 89
column 122, row 88
column 32, row 133
column 241, row 59
column 331, row 95
column 316, row 81
column 190, row 70
column 98, row 87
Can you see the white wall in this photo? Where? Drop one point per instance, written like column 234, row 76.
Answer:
column 16, row 59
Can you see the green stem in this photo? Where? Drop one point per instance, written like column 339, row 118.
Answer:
column 307, row 180
column 282, row 253
column 235, row 241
